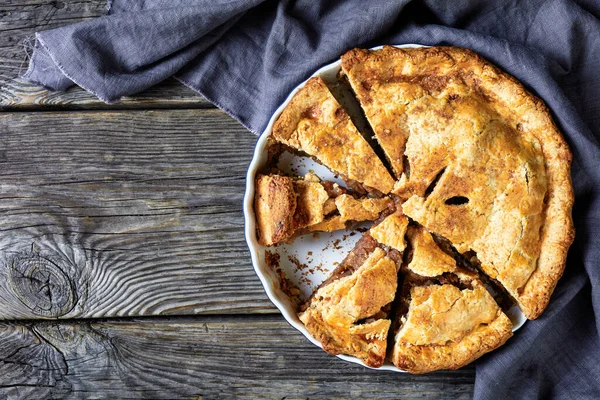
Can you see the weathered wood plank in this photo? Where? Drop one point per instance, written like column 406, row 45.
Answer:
column 20, row 19
column 210, row 358
column 124, row 214
column 19, row 95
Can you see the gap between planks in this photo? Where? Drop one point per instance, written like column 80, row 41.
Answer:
column 17, row 95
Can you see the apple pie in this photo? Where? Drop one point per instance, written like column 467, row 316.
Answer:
column 471, row 205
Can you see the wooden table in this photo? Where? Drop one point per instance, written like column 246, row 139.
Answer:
column 123, row 267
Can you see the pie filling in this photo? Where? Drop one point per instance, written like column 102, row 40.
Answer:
column 457, row 239
column 469, row 262
column 375, row 294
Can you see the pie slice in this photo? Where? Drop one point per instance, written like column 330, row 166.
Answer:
column 349, row 312
column 316, row 124
column 375, row 78
column 344, row 314
column 445, row 318
column 286, row 207
column 478, row 158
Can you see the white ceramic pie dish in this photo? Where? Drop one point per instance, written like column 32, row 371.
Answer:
column 307, row 261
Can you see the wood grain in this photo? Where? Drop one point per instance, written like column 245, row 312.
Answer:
column 20, row 19
column 124, row 214
column 209, row 358
column 138, row 213
column 19, row 95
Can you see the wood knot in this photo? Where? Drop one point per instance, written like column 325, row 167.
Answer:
column 41, row 285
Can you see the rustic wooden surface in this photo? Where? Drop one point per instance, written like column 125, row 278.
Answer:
column 124, row 213
column 123, row 267
column 205, row 357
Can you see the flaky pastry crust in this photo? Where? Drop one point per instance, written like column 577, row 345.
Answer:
column 274, row 207
column 446, row 326
column 391, row 231
column 315, row 123
column 286, row 207
column 332, row 315
column 427, row 258
column 489, row 170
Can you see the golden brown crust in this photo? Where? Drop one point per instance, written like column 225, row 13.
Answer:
column 450, row 318
column 391, row 231
column 274, row 206
column 383, row 101
column 351, row 209
column 333, row 223
column 361, row 209
column 427, row 258
column 333, row 312
column 491, row 143
column 284, row 205
column 447, row 328
column 287, row 206
column 311, row 198
column 315, row 123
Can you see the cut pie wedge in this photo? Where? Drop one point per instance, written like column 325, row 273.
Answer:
column 478, row 158
column 286, row 207
column 316, row 124
column 349, row 312
column 445, row 317
column 351, row 209
column 344, row 315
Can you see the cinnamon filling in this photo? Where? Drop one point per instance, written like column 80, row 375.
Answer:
column 357, row 257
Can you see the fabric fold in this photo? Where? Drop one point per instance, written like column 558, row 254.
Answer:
column 123, row 53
